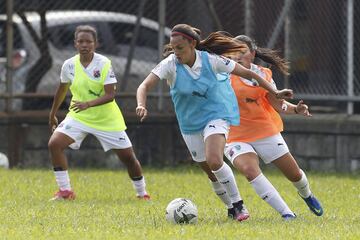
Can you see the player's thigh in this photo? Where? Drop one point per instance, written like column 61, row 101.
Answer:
column 270, row 148
column 244, row 158
column 113, row 140
column 59, row 140
column 234, row 149
column 73, row 130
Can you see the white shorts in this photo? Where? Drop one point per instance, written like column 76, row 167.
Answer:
column 78, row 131
column 196, row 142
column 268, row 149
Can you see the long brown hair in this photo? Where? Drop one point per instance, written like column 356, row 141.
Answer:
column 266, row 54
column 217, row 42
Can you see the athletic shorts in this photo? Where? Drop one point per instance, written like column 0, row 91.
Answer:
column 196, row 142
column 268, row 149
column 78, row 131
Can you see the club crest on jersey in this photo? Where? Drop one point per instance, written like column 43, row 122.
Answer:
column 226, row 60
column 96, row 73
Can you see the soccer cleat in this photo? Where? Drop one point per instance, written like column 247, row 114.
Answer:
column 231, row 213
column 289, row 217
column 63, row 195
column 146, row 197
column 238, row 212
column 314, row 205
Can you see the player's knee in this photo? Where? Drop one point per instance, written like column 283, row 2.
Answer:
column 249, row 171
column 54, row 144
column 215, row 163
column 128, row 158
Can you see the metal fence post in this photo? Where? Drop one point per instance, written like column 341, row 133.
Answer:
column 287, row 46
column 133, row 45
column 161, row 36
column 279, row 23
column 9, row 53
column 248, row 17
column 350, row 54
column 9, row 88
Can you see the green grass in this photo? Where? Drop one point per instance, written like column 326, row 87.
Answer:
column 106, row 207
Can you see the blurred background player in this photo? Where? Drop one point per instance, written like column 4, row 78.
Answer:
column 93, row 110
column 204, row 106
column 259, row 134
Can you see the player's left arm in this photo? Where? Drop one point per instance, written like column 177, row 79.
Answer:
column 283, row 106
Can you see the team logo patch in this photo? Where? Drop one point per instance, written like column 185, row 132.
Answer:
column 194, row 153
column 231, row 152
column 238, row 147
column 67, row 126
column 226, row 60
column 96, row 73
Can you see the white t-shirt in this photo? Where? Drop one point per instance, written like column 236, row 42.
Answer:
column 252, row 82
column 93, row 70
column 166, row 69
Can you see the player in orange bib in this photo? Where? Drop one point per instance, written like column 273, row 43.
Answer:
column 259, row 132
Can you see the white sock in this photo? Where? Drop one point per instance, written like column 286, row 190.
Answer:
column 62, row 180
column 226, row 177
column 268, row 193
column 303, row 186
column 139, row 186
column 221, row 193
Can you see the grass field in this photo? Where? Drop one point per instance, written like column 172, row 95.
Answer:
column 106, row 207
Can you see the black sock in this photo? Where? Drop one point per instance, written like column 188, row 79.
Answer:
column 58, row 169
column 238, row 204
column 137, row 178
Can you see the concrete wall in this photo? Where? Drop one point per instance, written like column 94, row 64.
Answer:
column 321, row 143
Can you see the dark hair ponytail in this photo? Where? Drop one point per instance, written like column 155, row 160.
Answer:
column 266, row 54
column 217, row 42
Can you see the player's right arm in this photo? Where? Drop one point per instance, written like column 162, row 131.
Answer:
column 59, row 97
column 150, row 81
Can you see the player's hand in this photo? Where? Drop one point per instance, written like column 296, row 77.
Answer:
column 53, row 123
column 284, row 94
column 141, row 112
column 302, row 108
column 77, row 106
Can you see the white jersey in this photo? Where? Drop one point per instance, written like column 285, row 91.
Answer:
column 166, row 69
column 92, row 70
column 252, row 82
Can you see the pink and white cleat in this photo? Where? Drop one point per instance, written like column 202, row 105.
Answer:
column 63, row 195
column 238, row 212
column 146, row 197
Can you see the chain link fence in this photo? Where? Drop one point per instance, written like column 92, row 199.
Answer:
column 319, row 39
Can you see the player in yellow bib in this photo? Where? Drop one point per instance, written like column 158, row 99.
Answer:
column 93, row 110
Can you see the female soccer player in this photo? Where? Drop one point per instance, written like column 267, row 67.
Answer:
column 93, row 110
column 204, row 105
column 260, row 131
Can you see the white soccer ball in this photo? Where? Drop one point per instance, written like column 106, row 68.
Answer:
column 4, row 161
column 181, row 210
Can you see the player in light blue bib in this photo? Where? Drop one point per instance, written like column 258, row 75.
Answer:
column 205, row 105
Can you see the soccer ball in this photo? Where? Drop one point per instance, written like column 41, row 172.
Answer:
column 181, row 210
column 4, row 161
